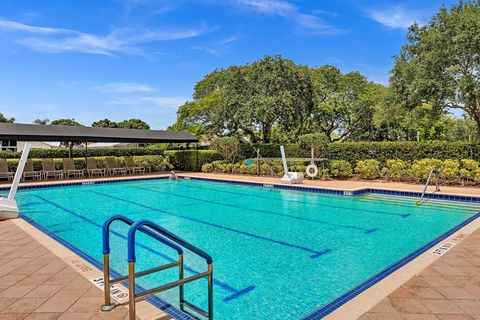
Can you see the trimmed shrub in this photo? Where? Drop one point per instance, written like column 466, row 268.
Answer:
column 468, row 169
column 207, row 168
column 450, row 170
column 421, row 168
column 340, row 169
column 80, row 153
column 187, row 159
column 368, row 169
column 395, row 170
column 381, row 151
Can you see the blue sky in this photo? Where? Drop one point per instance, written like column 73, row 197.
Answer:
column 123, row 59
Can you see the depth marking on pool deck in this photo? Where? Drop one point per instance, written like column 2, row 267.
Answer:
column 403, row 215
column 365, row 230
column 235, row 292
column 316, row 253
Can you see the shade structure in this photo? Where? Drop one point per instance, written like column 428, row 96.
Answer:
column 33, row 132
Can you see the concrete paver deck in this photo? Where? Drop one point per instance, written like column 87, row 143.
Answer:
column 449, row 289
column 35, row 284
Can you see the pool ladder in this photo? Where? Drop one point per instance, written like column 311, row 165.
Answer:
column 437, row 181
column 169, row 239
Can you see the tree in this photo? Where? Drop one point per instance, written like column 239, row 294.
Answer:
column 3, row 119
column 41, row 121
column 316, row 142
column 249, row 100
column 65, row 122
column 278, row 92
column 133, row 124
column 344, row 104
column 228, row 147
column 440, row 64
column 105, row 123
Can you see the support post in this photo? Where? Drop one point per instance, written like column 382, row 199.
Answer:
column 19, row 173
column 284, row 162
column 196, row 147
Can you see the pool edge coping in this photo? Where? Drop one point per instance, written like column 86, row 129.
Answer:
column 363, row 300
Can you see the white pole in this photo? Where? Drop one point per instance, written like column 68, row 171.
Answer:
column 19, row 173
column 284, row 160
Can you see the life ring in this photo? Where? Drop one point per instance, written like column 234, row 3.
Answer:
column 310, row 173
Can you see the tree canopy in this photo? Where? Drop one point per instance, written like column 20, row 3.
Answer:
column 274, row 98
column 65, row 122
column 440, row 64
column 125, row 124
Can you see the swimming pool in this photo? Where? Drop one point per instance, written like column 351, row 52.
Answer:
column 278, row 254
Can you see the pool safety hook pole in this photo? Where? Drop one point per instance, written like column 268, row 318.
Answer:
column 19, row 173
column 284, row 161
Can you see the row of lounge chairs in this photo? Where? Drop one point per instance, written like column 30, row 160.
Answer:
column 49, row 171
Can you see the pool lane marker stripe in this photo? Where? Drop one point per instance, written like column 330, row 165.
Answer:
column 403, row 215
column 235, row 293
column 335, row 225
column 315, row 253
column 341, row 300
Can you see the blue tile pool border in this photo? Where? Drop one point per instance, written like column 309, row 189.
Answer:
column 154, row 300
column 357, row 192
column 324, row 310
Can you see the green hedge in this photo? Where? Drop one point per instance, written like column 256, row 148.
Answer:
column 187, row 159
column 79, row 153
column 154, row 163
column 380, row 151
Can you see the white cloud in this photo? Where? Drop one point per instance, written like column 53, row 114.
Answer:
column 158, row 101
column 120, row 40
column 288, row 11
column 395, row 17
column 124, row 87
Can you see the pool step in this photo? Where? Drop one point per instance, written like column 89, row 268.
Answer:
column 411, row 201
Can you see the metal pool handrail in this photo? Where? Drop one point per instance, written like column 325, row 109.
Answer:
column 139, row 225
column 166, row 237
column 437, row 179
column 108, row 305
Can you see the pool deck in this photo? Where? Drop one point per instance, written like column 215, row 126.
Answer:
column 41, row 279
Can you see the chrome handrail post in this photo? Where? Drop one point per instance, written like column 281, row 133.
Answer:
column 180, row 277
column 210, row 291
column 131, row 290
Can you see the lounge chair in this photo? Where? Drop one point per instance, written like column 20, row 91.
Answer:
column 113, row 167
column 4, row 172
column 29, row 172
column 49, row 170
column 132, row 167
column 70, row 170
column 92, row 168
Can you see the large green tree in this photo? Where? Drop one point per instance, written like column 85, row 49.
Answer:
column 65, row 122
column 344, row 104
column 249, row 100
column 105, row 123
column 133, row 124
column 440, row 64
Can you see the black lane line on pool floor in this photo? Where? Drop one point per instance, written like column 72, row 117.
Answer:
column 235, row 293
column 315, row 253
column 403, row 215
column 338, row 225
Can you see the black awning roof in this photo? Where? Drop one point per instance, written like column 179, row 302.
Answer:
column 34, row 132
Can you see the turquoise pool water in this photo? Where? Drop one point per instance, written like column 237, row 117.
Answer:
column 278, row 254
